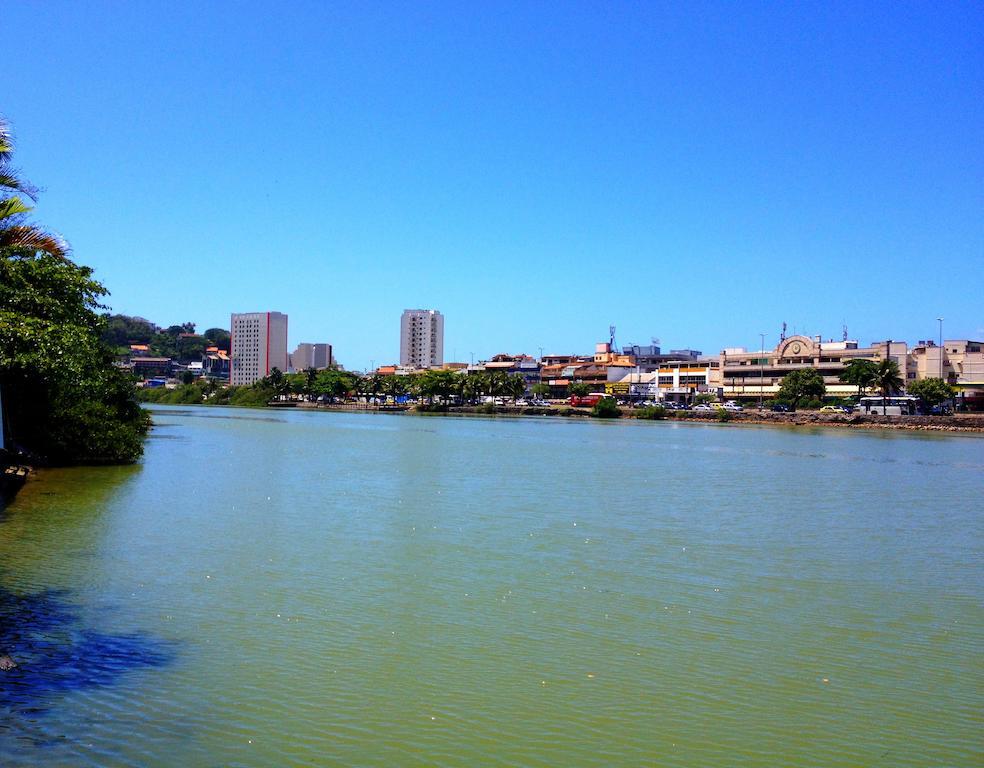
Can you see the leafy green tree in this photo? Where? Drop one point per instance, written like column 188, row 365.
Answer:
column 932, row 391
column 371, row 385
column 397, row 386
column 190, row 347
column 277, row 381
column 578, row 389
column 297, row 384
column 803, row 382
column 860, row 373
column 122, row 330
column 888, row 380
column 425, row 385
column 333, row 383
column 440, row 384
column 63, row 398
column 541, row 389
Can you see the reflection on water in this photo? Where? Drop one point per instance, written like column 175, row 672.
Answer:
column 351, row 589
column 55, row 652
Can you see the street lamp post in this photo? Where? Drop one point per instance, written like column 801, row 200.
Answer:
column 940, row 320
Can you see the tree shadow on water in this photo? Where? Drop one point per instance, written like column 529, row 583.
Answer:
column 54, row 653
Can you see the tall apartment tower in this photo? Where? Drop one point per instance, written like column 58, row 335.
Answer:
column 307, row 355
column 421, row 338
column 259, row 344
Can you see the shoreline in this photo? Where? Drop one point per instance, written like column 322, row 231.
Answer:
column 962, row 424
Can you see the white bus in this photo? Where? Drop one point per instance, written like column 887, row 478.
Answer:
column 897, row 405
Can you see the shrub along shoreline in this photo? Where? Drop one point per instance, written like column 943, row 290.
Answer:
column 251, row 397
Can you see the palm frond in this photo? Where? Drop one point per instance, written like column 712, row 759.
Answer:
column 26, row 240
column 10, row 179
column 6, row 140
column 12, row 206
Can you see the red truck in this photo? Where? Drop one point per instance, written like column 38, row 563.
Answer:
column 587, row 401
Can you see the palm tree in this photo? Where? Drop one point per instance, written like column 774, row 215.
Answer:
column 861, row 373
column 18, row 238
column 888, row 379
column 469, row 387
column 310, row 374
column 516, row 386
column 496, row 384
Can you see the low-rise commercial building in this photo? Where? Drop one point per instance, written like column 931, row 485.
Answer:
column 678, row 380
column 146, row 367
column 960, row 363
column 758, row 375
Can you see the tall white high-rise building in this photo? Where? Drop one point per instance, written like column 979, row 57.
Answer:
column 259, row 344
column 421, row 338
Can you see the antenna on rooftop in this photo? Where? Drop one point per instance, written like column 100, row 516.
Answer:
column 611, row 338
column 782, row 336
column 844, row 338
column 655, row 340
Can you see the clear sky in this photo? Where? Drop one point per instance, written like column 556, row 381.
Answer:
column 536, row 171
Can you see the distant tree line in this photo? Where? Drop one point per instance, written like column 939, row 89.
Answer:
column 437, row 387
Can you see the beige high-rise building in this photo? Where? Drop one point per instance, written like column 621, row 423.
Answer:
column 259, row 344
column 421, row 338
column 317, row 356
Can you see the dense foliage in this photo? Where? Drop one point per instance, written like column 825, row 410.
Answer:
column 932, row 391
column 799, row 384
column 860, row 373
column 651, row 413
column 63, row 399
column 179, row 342
column 606, row 408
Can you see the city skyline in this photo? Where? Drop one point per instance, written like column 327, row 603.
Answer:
column 537, row 174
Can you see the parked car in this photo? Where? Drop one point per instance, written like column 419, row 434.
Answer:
column 705, row 407
column 779, row 408
column 834, row 409
column 537, row 403
column 732, row 406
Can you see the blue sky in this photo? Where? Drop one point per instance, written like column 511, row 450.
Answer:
column 536, row 171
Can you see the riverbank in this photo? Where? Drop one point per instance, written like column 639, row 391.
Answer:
column 973, row 423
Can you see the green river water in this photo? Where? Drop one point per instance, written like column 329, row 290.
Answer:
column 283, row 588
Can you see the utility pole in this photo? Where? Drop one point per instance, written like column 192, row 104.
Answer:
column 940, row 319
column 761, row 369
